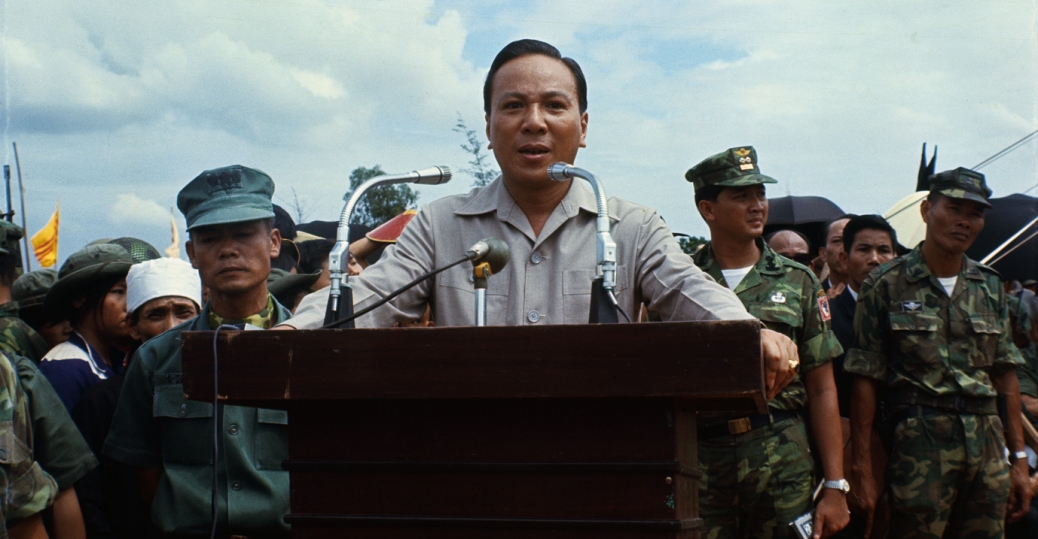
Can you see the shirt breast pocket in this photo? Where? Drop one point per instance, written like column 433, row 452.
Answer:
column 456, row 289
column 576, row 294
column 916, row 336
column 271, row 438
column 784, row 318
column 187, row 428
column 985, row 330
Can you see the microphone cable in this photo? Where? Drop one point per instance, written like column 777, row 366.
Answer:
column 396, row 293
column 612, row 298
column 214, row 500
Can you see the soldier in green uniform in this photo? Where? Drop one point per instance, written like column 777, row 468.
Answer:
column 16, row 337
column 759, row 474
column 932, row 327
column 170, row 439
column 27, row 488
column 58, row 445
column 30, row 291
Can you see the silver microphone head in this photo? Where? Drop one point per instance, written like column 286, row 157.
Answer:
column 433, row 175
column 478, row 250
column 560, row 172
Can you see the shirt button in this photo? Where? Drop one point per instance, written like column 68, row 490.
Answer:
column 536, row 257
column 183, row 411
column 533, row 316
column 233, row 429
column 472, row 278
column 236, row 485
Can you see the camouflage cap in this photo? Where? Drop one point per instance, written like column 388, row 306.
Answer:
column 139, row 250
column 735, row 167
column 10, row 234
column 233, row 194
column 30, row 289
column 961, row 183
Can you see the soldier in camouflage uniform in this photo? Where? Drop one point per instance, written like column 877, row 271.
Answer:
column 16, row 337
column 933, row 328
column 1022, row 325
column 759, row 474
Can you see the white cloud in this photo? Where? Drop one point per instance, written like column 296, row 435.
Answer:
column 134, row 210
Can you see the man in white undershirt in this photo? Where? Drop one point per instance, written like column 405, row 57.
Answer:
column 932, row 329
column 758, row 471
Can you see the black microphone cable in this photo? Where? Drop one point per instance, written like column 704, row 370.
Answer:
column 397, row 292
column 214, row 500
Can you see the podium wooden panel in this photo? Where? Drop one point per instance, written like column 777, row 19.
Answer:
column 562, row 431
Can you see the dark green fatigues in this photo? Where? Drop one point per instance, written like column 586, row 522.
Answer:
column 156, row 427
column 947, row 471
column 757, row 482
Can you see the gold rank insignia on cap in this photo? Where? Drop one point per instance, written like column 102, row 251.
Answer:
column 745, row 158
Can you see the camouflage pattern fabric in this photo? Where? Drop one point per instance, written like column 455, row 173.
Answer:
column 734, row 167
column 961, row 183
column 17, row 337
column 28, row 489
column 1028, row 372
column 785, row 296
column 755, row 484
column 955, row 488
column 910, row 334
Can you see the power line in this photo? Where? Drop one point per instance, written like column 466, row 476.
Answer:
column 1005, row 151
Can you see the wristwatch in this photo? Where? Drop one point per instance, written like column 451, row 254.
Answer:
column 1017, row 455
column 838, row 484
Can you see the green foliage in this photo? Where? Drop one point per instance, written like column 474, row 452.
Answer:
column 479, row 166
column 381, row 203
column 689, row 244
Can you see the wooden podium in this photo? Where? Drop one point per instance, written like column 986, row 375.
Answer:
column 515, row 432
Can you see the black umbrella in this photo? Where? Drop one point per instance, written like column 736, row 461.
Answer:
column 806, row 214
column 1008, row 216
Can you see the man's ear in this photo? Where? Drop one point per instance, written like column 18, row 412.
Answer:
column 583, row 129
column 924, row 211
column 190, row 248
column 135, row 333
column 275, row 243
column 490, row 144
column 706, row 209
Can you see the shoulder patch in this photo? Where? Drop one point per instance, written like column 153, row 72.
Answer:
column 823, row 306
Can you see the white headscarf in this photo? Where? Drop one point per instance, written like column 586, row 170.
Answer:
column 160, row 278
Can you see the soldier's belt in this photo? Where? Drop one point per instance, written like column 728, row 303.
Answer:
column 742, row 425
column 959, row 404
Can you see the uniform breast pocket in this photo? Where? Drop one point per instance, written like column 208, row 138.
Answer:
column 915, row 334
column 785, row 318
column 187, row 428
column 271, row 438
column 985, row 330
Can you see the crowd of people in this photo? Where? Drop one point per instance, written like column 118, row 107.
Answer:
column 900, row 379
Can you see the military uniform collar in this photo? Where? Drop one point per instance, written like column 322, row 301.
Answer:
column 769, row 263
column 9, row 309
column 916, row 268
column 203, row 323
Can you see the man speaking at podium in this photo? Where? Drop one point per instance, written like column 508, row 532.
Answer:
column 536, row 110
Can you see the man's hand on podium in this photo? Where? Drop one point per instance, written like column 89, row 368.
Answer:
column 780, row 361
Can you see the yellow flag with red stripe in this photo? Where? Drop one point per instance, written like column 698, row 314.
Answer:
column 45, row 242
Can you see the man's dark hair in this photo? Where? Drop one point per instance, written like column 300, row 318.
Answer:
column 867, row 222
column 284, row 223
column 313, row 253
column 526, row 47
column 710, row 192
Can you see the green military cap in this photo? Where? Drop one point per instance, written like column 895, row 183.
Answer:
column 139, row 250
column 30, row 289
column 233, row 194
column 85, row 266
column 280, row 281
column 735, row 167
column 10, row 234
column 961, row 183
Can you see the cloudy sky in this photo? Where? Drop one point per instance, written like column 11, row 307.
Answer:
column 115, row 105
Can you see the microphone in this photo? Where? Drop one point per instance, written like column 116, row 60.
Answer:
column 602, row 295
column 494, row 252
column 424, row 176
column 489, row 256
column 339, row 258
